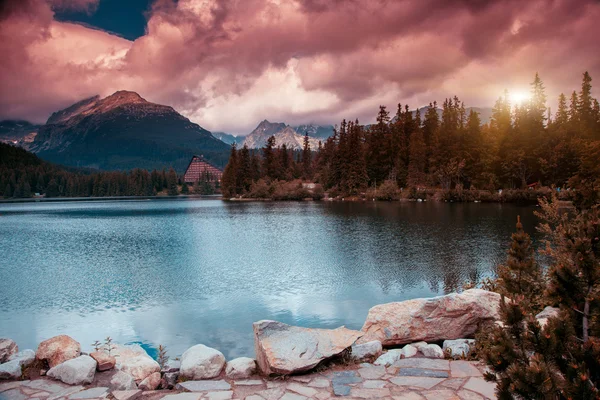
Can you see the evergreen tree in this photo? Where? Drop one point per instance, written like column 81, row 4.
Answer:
column 306, row 159
column 184, row 188
column 7, row 191
column 270, row 164
column 244, row 171
column 172, row 189
column 229, row 178
column 522, row 276
column 417, row 158
column 52, row 189
column 26, row 190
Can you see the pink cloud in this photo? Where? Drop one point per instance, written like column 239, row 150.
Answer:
column 227, row 65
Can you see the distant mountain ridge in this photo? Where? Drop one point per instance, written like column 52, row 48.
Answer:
column 284, row 134
column 124, row 131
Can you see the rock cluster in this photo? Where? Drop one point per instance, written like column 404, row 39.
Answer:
column 419, row 325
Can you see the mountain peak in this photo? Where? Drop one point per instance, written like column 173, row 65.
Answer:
column 125, row 96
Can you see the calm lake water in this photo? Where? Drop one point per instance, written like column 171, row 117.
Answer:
column 182, row 272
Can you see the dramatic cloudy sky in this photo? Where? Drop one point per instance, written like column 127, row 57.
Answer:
column 227, row 64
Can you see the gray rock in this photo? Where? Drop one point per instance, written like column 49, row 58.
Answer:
column 342, row 380
column 458, row 348
column 432, row 351
column 201, row 362
column 240, row 368
column 8, row 347
column 133, row 360
column 423, row 372
column 126, row 394
column 93, row 393
column 171, row 366
column 203, row 386
column 170, row 380
column 16, row 362
column 76, row 371
column 122, row 381
column 389, row 358
column 367, row 351
column 283, row 349
column 454, row 316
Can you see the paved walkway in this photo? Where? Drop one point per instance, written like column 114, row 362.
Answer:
column 408, row 379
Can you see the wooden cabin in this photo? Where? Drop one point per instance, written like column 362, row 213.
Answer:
column 200, row 169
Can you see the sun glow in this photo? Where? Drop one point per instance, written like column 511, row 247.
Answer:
column 519, row 96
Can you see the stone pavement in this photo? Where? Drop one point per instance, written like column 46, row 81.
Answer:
column 407, row 379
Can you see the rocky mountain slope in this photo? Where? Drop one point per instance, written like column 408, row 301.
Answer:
column 20, row 133
column 124, row 131
column 229, row 138
column 284, row 134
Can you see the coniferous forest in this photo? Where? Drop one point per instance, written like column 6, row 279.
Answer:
column 23, row 174
column 455, row 156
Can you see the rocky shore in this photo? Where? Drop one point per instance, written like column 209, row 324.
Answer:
column 292, row 363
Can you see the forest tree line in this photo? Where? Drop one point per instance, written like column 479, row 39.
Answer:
column 523, row 144
column 22, row 174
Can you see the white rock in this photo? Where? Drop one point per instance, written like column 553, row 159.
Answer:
column 8, row 347
column 133, row 360
column 432, row 351
column 122, row 381
column 409, row 351
column 458, row 348
column 389, row 358
column 547, row 313
column 367, row 351
column 76, row 371
column 240, row 368
column 201, row 362
column 16, row 362
column 454, row 316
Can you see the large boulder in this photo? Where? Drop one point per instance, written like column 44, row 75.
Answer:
column 77, row 371
column 201, row 362
column 283, row 349
column 240, row 368
column 454, row 316
column 13, row 368
column 133, row 360
column 8, row 347
column 57, row 350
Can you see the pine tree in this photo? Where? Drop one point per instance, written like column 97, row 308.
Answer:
column 522, row 275
column 229, row 178
column 417, row 157
column 270, row 165
column 172, row 189
column 184, row 188
column 244, row 171
column 7, row 191
column 306, row 159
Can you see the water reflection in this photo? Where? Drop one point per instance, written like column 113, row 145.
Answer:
column 185, row 272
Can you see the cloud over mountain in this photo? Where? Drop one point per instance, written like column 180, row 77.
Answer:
column 228, row 64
